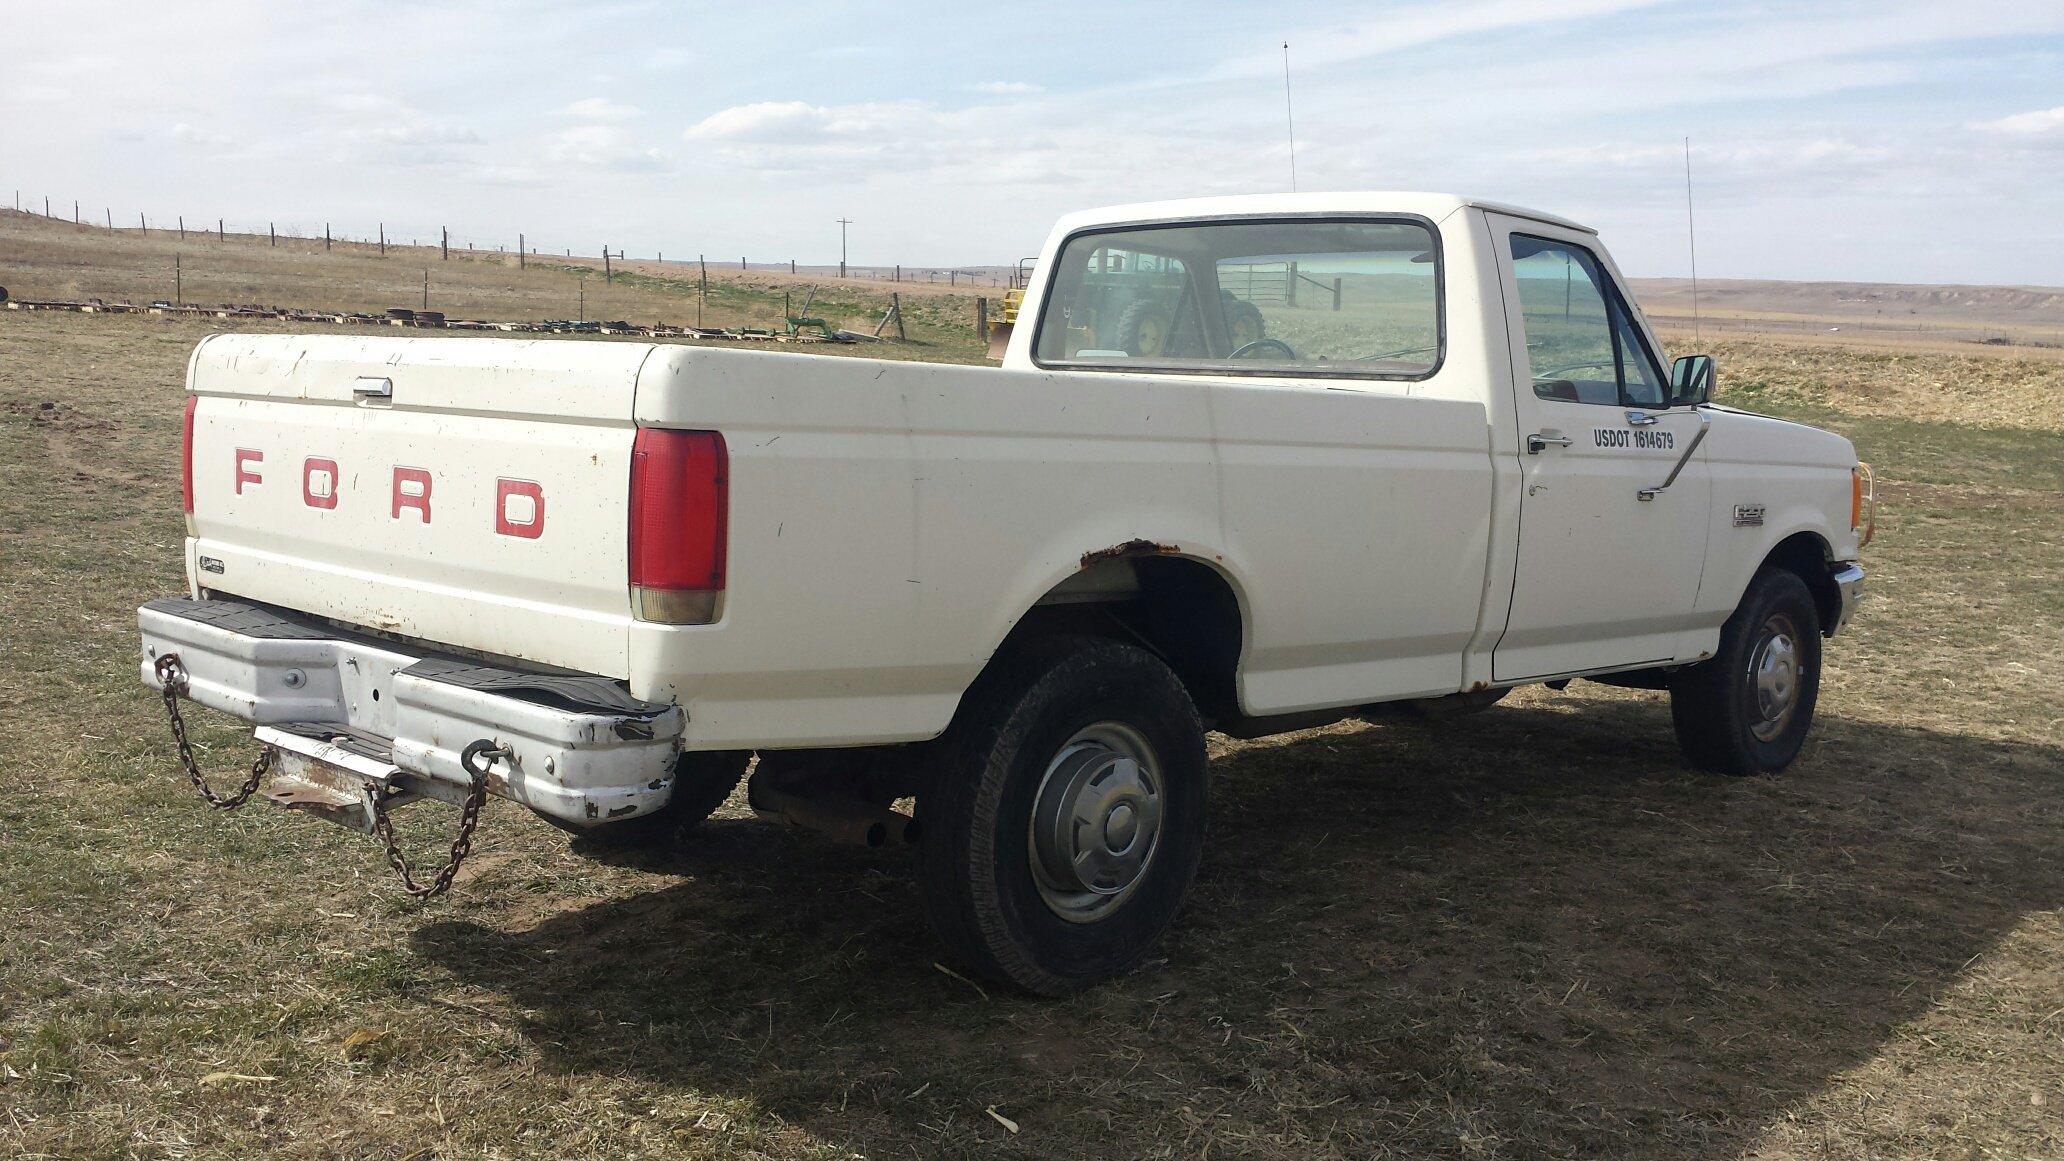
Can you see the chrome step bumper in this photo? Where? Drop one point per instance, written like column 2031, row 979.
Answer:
column 328, row 701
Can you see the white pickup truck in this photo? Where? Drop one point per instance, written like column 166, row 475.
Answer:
column 1250, row 465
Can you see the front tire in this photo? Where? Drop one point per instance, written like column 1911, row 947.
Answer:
column 702, row 781
column 1747, row 710
column 1068, row 818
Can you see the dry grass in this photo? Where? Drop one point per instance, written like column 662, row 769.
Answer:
column 1528, row 933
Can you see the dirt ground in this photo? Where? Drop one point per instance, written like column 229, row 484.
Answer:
column 1529, row 933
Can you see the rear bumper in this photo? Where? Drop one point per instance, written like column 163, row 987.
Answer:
column 1848, row 578
column 580, row 748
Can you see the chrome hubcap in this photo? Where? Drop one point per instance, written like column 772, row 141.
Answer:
column 1774, row 675
column 1096, row 821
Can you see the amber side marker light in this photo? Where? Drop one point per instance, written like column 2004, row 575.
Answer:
column 1863, row 503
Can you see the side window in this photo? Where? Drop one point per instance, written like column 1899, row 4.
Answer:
column 1581, row 345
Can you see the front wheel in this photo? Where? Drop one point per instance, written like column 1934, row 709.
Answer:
column 1747, row 710
column 1066, row 824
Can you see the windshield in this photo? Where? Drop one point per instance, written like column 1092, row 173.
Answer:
column 1284, row 297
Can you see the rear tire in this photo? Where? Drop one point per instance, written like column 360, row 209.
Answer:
column 1747, row 710
column 1066, row 821
column 702, row 781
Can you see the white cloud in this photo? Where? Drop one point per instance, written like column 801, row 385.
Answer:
column 600, row 109
column 1009, row 88
column 2038, row 123
column 187, row 134
column 602, row 147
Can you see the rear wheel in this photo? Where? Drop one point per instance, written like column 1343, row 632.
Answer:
column 702, row 781
column 1747, row 710
column 1066, row 824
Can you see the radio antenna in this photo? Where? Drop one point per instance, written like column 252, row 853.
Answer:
column 1289, row 118
column 1691, row 232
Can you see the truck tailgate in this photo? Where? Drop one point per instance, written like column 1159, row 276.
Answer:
column 472, row 492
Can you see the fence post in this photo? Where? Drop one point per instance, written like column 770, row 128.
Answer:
column 520, row 260
column 141, row 225
column 607, row 274
column 75, row 211
column 182, row 227
column 791, row 266
column 426, row 288
column 111, row 219
column 326, row 237
column 1336, row 293
column 383, row 239
column 444, row 243
column 178, row 282
column 742, row 265
column 221, row 235
column 982, row 321
column 896, row 308
column 272, row 231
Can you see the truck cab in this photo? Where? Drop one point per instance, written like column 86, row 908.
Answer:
column 1249, row 464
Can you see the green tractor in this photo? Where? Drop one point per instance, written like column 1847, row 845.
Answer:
column 1128, row 303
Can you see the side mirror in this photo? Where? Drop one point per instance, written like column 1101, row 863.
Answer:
column 1691, row 380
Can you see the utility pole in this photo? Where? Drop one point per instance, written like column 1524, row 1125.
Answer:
column 842, row 224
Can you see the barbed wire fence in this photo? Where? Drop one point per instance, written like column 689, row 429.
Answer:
column 414, row 239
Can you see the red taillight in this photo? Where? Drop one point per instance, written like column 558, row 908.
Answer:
column 186, row 455
column 680, row 506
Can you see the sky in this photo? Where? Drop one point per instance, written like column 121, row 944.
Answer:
column 1899, row 140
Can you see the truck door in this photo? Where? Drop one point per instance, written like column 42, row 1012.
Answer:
column 1609, row 557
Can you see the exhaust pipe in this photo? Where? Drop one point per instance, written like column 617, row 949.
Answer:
column 840, row 817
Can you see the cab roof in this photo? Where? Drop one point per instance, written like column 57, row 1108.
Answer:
column 1432, row 206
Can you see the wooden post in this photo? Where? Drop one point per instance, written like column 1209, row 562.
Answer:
column 182, row 227
column 221, row 235
column 111, row 220
column 141, row 225
column 1336, row 293
column 272, row 231
column 178, row 282
column 791, row 266
column 383, row 239
column 520, row 263
column 444, row 243
column 426, row 288
column 982, row 321
column 702, row 291
column 742, row 265
column 1289, row 284
column 75, row 211
column 326, row 237
column 607, row 274
column 899, row 272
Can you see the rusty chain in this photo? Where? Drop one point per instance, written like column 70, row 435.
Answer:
column 172, row 682
column 462, row 842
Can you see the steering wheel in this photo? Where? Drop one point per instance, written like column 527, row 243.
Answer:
column 1554, row 372
column 1278, row 344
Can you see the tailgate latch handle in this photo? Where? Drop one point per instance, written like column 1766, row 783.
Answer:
column 369, row 387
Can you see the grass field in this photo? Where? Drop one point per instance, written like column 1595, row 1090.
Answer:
column 1527, row 933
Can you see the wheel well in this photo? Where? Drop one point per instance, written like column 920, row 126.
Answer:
column 1805, row 554
column 1181, row 609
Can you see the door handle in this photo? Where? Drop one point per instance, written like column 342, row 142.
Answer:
column 1640, row 419
column 1698, row 437
column 1536, row 443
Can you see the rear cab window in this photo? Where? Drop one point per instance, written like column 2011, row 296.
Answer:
column 1293, row 297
